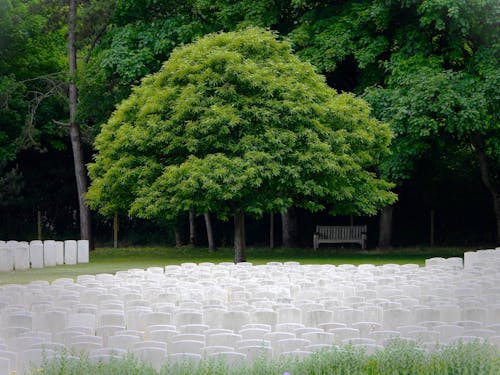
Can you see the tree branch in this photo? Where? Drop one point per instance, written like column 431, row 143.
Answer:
column 94, row 43
column 55, row 87
column 60, row 123
column 43, row 77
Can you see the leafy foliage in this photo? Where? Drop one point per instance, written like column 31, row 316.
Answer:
column 236, row 121
column 141, row 34
column 12, row 107
column 30, row 53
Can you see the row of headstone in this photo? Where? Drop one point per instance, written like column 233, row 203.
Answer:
column 15, row 255
column 481, row 258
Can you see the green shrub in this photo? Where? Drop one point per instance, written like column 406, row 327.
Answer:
column 399, row 357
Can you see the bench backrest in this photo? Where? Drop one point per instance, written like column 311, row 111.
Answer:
column 347, row 232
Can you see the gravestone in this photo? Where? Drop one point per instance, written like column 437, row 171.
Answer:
column 36, row 254
column 83, row 251
column 59, row 252
column 70, row 251
column 49, row 253
column 470, row 258
column 6, row 259
column 21, row 257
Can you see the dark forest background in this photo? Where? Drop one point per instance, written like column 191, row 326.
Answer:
column 429, row 69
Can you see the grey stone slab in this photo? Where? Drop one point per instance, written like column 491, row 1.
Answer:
column 83, row 251
column 70, row 251
column 6, row 259
column 21, row 254
column 36, row 254
column 49, row 253
column 59, row 252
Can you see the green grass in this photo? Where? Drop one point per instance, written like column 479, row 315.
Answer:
column 399, row 357
column 109, row 260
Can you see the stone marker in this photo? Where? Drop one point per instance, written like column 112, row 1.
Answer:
column 6, row 259
column 49, row 253
column 21, row 257
column 36, row 254
column 70, row 252
column 83, row 251
column 470, row 257
column 59, row 252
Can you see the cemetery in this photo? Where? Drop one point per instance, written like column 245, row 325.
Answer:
column 241, row 313
column 290, row 187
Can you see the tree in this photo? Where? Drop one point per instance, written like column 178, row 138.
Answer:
column 378, row 43
column 235, row 124
column 34, row 87
column 30, row 66
column 32, row 95
column 425, row 102
column 74, row 130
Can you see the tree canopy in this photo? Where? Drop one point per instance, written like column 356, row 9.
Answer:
column 236, row 123
column 428, row 68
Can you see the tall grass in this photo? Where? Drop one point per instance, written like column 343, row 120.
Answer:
column 398, row 358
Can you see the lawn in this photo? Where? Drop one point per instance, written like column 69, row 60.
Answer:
column 109, row 260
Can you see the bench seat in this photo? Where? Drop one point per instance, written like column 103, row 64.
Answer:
column 340, row 234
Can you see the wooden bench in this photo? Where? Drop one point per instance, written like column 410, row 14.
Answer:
column 340, row 234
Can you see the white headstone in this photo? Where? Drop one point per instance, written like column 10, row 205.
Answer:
column 4, row 366
column 36, row 254
column 21, row 257
column 6, row 259
column 83, row 251
column 470, row 257
column 49, row 253
column 70, row 252
column 59, row 252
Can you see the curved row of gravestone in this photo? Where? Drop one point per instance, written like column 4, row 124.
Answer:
column 243, row 311
column 471, row 259
column 18, row 255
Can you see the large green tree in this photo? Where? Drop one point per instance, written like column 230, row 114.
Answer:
column 31, row 60
column 434, row 65
column 426, row 103
column 31, row 88
column 235, row 124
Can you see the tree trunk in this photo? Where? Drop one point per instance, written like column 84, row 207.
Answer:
column 39, row 225
column 496, row 204
column 115, row 231
column 271, row 230
column 210, row 233
column 385, row 230
column 239, row 237
column 74, row 131
column 289, row 228
column 192, row 227
column 484, row 165
column 432, row 228
column 178, row 238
